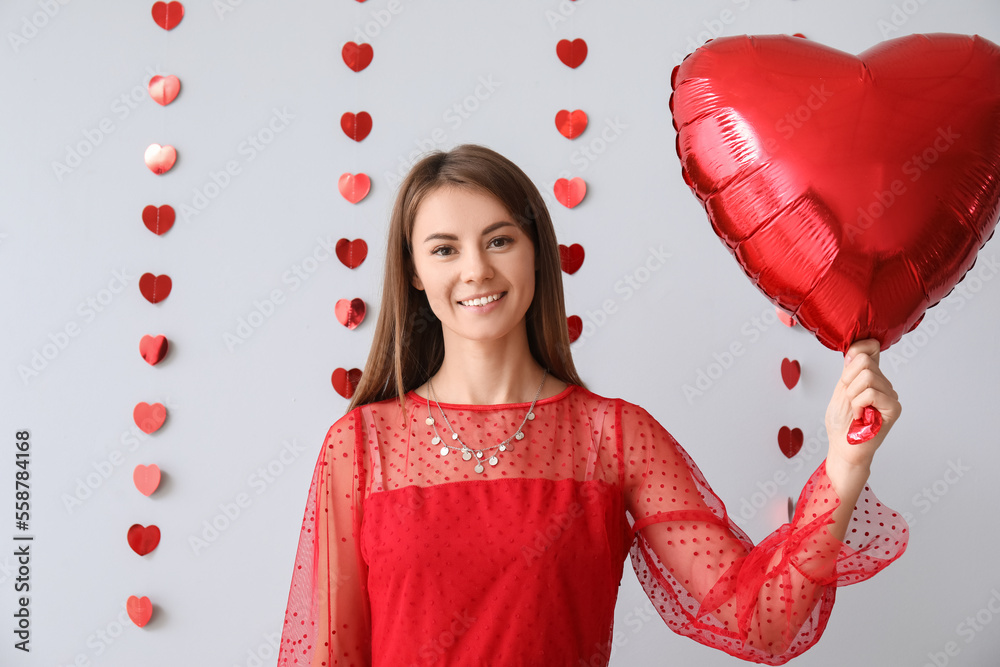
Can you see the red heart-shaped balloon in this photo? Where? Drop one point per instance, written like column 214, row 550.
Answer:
column 346, row 382
column 168, row 14
column 143, row 539
column 153, row 349
column 571, row 124
column 155, row 288
column 356, row 126
column 354, row 187
column 571, row 257
column 159, row 219
column 854, row 191
column 146, row 478
column 790, row 441
column 575, row 326
column 148, row 417
column 570, row 193
column 160, row 159
column 357, row 56
column 140, row 610
column 164, row 89
column 572, row 54
column 790, row 372
column 350, row 313
column 352, row 253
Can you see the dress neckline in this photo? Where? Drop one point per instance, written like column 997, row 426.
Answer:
column 412, row 394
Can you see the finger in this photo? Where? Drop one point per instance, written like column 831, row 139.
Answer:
column 863, row 362
column 869, row 346
column 881, row 402
column 868, row 379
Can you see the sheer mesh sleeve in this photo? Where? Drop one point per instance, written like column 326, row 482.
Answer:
column 328, row 618
column 766, row 603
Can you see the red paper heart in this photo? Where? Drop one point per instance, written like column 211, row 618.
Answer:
column 153, row 349
column 789, row 441
column 146, row 478
column 346, row 382
column 790, row 371
column 575, row 326
column 357, row 56
column 159, row 158
column 354, row 187
column 155, row 288
column 572, row 53
column 160, row 219
column 854, row 191
column 352, row 253
column 571, row 257
column 168, row 14
column 140, row 610
column 143, row 539
column 571, row 124
column 350, row 313
column 148, row 417
column 356, row 126
column 164, row 89
column 570, row 193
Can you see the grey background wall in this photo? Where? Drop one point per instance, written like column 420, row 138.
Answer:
column 246, row 419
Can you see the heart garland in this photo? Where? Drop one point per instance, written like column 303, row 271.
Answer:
column 354, row 187
column 164, row 89
column 357, row 56
column 155, row 288
column 149, row 418
column 168, row 14
column 350, row 313
column 143, row 539
column 160, row 159
column 356, row 126
column 159, row 219
column 352, row 253
column 571, row 257
column 571, row 124
column 572, row 54
column 140, row 610
column 345, row 382
column 569, row 193
column 146, row 478
column 153, row 349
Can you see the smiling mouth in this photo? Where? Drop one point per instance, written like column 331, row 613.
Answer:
column 485, row 300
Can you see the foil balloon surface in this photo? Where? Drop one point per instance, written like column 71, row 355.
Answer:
column 854, row 191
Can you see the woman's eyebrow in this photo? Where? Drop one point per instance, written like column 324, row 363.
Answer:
column 451, row 237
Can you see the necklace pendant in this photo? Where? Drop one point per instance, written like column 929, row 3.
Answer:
column 435, row 440
column 444, row 450
column 454, row 436
column 466, row 455
column 531, row 415
column 503, row 448
column 479, row 467
column 429, row 421
column 519, row 435
column 479, row 454
column 494, row 460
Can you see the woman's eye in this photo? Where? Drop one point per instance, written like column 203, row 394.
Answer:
column 504, row 241
column 441, row 250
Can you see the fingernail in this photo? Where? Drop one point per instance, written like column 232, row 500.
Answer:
column 847, row 359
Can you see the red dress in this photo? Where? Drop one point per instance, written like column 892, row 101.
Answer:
column 410, row 558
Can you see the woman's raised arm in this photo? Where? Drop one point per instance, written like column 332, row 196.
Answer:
column 765, row 603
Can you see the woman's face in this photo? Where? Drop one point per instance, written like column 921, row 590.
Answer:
column 466, row 247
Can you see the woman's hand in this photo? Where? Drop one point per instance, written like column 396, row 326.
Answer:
column 861, row 383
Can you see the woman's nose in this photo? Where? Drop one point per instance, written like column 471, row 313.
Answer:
column 476, row 266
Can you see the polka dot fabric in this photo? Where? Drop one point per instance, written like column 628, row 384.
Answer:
column 410, row 558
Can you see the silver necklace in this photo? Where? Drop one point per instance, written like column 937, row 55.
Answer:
column 469, row 452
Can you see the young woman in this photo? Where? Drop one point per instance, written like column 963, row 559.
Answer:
column 476, row 503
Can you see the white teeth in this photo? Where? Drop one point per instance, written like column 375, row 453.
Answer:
column 481, row 302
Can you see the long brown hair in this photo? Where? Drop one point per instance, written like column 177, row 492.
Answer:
column 408, row 346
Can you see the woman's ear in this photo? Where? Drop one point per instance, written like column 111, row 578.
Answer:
column 415, row 281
